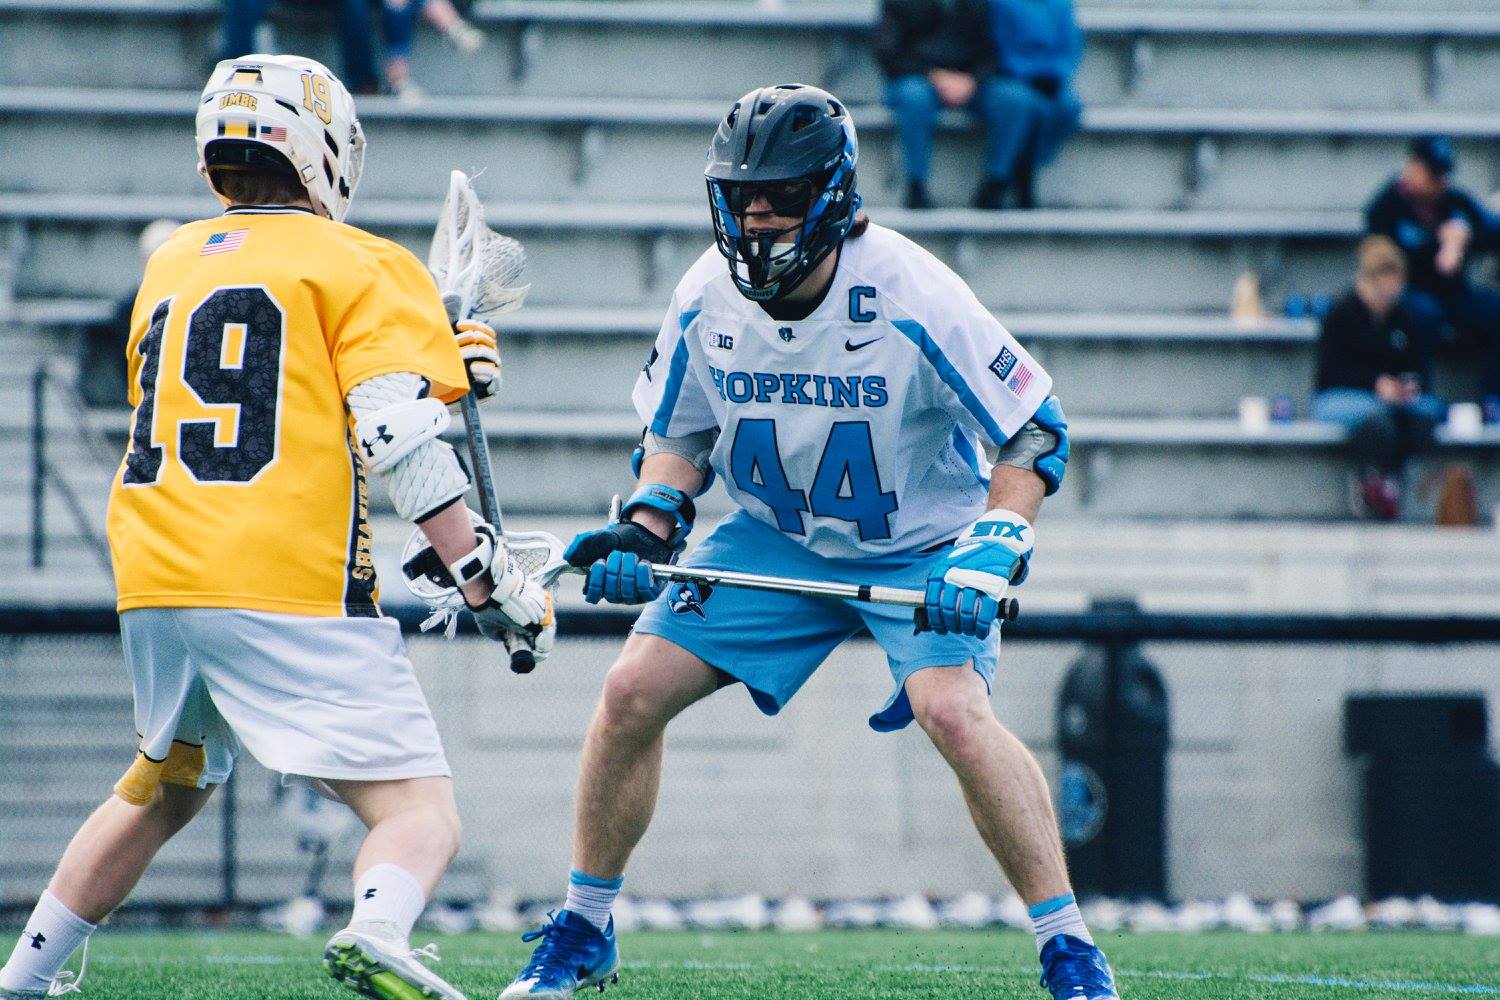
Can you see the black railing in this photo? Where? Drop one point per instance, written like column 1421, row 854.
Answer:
column 45, row 474
column 1107, row 623
column 1114, row 628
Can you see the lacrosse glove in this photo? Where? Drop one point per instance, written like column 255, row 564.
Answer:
column 517, row 606
column 481, row 354
column 619, row 555
column 965, row 583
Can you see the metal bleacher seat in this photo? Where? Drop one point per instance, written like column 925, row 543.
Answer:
column 1121, row 289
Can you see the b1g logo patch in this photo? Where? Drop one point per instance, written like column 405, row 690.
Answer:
column 688, row 598
column 1003, row 363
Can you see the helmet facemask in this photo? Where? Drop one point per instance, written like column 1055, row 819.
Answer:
column 820, row 205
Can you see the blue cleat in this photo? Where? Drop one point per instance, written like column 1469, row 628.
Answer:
column 573, row 955
column 1073, row 969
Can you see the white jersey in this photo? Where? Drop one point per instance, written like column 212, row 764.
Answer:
column 859, row 430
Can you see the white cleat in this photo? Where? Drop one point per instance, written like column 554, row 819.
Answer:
column 375, row 961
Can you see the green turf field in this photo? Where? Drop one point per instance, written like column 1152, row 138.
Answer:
column 847, row 965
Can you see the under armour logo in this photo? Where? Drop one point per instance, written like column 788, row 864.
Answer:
column 37, row 940
column 369, row 893
column 381, row 436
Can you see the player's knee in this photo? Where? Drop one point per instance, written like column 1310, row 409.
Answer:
column 449, row 830
column 953, row 719
column 632, row 702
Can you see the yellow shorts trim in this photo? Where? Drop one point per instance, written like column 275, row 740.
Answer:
column 184, row 766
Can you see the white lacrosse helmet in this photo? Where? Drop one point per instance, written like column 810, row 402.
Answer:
column 279, row 112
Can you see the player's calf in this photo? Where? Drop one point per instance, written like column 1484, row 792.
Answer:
column 414, row 833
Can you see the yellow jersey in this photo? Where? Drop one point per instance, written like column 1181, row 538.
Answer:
column 240, row 487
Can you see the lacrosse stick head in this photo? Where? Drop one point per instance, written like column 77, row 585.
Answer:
column 531, row 551
column 473, row 265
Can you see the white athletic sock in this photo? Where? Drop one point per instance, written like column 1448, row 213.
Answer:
column 1058, row 915
column 389, row 894
column 591, row 897
column 52, row 934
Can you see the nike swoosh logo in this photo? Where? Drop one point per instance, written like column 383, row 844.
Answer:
column 850, row 345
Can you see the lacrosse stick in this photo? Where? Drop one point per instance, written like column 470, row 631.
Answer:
column 1010, row 608
column 477, row 271
column 549, row 574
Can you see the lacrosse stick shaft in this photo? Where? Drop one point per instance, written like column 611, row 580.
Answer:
column 1009, row 607
column 522, row 659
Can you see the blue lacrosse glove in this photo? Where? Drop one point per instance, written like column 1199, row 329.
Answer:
column 965, row 583
column 621, row 578
column 618, row 555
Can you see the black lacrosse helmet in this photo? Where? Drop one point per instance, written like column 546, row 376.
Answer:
column 795, row 146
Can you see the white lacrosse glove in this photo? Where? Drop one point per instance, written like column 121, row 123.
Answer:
column 481, row 354
column 518, row 612
column 518, row 607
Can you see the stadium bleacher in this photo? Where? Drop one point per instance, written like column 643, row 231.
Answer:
column 1197, row 113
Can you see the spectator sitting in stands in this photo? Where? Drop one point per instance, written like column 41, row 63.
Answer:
column 242, row 17
column 1439, row 228
column 399, row 23
column 1375, row 374
column 938, row 54
column 1039, row 47
column 102, row 366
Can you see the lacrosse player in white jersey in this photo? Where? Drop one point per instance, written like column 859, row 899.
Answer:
column 847, row 388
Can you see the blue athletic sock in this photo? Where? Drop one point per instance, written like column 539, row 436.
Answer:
column 591, row 897
column 1058, row 915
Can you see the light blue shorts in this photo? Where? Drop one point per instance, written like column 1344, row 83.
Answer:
column 773, row 642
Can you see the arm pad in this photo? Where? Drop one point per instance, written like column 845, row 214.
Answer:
column 397, row 430
column 1041, row 445
column 695, row 448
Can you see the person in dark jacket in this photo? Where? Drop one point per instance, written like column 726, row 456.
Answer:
column 944, row 53
column 1375, row 375
column 1440, row 228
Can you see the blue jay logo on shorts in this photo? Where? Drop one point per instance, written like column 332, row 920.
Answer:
column 688, row 598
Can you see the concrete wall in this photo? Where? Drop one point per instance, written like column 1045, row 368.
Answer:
column 1261, row 797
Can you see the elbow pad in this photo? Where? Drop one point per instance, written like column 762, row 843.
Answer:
column 694, row 448
column 397, row 430
column 1041, row 445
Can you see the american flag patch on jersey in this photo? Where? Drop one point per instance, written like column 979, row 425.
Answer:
column 273, row 132
column 1019, row 379
column 223, row 242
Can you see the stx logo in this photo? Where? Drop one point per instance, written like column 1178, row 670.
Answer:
column 998, row 530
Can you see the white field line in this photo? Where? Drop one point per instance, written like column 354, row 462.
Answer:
column 690, row 965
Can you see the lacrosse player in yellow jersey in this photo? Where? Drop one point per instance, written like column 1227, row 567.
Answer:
column 275, row 354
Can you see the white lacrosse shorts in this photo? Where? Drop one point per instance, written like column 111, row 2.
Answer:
column 310, row 697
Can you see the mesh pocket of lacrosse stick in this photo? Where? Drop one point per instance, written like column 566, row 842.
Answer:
column 430, row 582
column 472, row 261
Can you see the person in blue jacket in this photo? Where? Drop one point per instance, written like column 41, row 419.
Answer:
column 1010, row 63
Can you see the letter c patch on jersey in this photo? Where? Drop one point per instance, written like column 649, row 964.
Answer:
column 857, row 311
